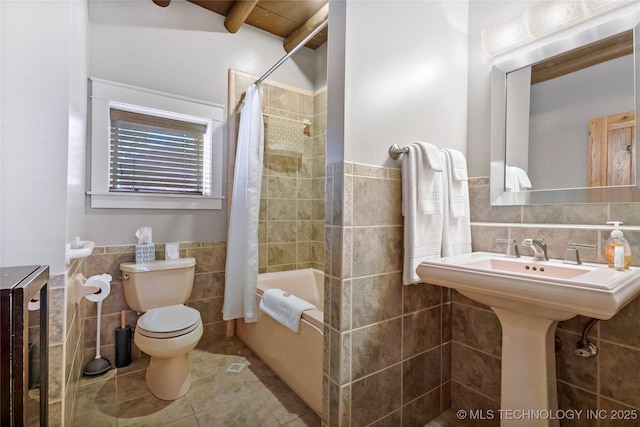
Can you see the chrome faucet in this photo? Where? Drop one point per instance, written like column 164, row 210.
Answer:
column 512, row 248
column 572, row 256
column 539, row 249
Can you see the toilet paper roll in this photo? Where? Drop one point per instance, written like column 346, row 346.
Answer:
column 103, row 281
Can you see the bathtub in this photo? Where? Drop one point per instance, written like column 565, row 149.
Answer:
column 295, row 357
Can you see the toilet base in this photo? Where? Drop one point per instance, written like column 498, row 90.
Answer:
column 168, row 376
column 169, row 379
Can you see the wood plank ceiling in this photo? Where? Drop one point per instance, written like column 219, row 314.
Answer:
column 583, row 57
column 292, row 20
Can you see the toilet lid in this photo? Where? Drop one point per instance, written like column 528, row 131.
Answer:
column 173, row 320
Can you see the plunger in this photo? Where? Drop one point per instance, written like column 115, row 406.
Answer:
column 99, row 365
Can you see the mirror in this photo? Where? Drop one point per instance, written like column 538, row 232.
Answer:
column 543, row 139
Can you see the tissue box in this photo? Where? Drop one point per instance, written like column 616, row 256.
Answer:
column 145, row 253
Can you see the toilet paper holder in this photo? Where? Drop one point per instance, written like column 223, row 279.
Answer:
column 78, row 249
column 83, row 288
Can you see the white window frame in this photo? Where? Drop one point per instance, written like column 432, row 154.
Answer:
column 106, row 95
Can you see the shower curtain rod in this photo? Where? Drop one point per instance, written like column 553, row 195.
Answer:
column 292, row 51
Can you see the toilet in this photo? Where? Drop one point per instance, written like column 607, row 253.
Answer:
column 168, row 329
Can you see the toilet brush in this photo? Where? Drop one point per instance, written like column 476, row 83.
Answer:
column 123, row 343
column 99, row 365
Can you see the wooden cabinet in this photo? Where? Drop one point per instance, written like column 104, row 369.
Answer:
column 24, row 345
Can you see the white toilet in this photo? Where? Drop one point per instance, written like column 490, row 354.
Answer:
column 168, row 329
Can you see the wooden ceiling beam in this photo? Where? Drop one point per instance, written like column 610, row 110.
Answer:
column 238, row 14
column 318, row 18
column 583, row 57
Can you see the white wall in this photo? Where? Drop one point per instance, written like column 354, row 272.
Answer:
column 321, row 66
column 38, row 88
column 405, row 77
column 560, row 113
column 483, row 13
column 77, row 150
column 336, row 81
column 185, row 50
column 517, row 126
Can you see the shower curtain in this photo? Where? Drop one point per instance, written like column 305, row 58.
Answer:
column 241, row 274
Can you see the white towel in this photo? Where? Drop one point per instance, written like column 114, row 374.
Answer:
column 458, row 187
column 429, row 179
column 432, row 156
column 516, row 179
column 456, row 227
column 458, row 165
column 510, row 179
column 284, row 307
column 421, row 192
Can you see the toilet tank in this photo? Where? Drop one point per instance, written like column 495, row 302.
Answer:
column 157, row 284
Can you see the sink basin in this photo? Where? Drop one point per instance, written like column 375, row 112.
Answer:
column 530, row 297
column 549, row 289
column 529, row 268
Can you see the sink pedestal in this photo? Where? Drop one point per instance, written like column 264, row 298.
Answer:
column 528, row 384
column 530, row 297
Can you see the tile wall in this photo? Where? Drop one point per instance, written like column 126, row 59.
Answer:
column 387, row 346
column 66, row 320
column 609, row 381
column 291, row 227
column 400, row 355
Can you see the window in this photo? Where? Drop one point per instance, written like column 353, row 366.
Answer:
column 154, row 150
column 155, row 155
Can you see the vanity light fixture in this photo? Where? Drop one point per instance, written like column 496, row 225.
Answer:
column 539, row 20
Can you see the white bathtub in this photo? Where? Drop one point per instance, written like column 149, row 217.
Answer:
column 295, row 357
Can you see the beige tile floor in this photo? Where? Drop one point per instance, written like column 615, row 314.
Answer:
column 253, row 397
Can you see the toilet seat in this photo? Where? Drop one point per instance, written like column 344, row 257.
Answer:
column 168, row 322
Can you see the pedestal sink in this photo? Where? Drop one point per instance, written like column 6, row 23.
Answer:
column 530, row 297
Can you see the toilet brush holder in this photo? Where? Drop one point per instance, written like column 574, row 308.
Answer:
column 123, row 343
column 123, row 346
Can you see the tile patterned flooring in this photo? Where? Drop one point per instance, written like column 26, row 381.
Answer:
column 255, row 396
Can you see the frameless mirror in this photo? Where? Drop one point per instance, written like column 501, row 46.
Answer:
column 563, row 119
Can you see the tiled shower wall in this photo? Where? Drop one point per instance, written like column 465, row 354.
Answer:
column 387, row 346
column 291, row 225
column 611, row 380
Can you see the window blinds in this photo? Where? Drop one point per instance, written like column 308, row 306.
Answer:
column 155, row 154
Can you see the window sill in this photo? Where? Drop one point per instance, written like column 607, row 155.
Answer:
column 101, row 200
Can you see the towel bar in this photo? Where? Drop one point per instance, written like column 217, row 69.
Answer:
column 395, row 151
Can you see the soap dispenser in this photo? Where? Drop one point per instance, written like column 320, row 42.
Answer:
column 618, row 251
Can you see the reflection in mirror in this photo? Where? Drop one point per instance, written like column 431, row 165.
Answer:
column 553, row 105
column 563, row 120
